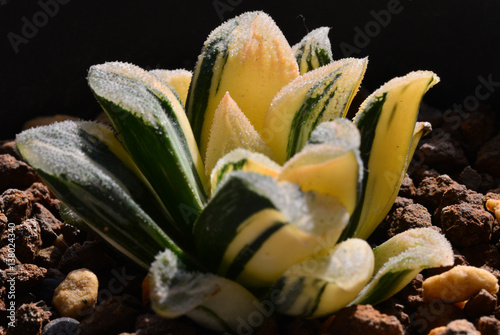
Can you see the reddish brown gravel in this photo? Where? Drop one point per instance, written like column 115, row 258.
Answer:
column 455, row 170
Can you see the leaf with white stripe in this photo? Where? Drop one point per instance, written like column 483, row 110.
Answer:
column 314, row 50
column 386, row 121
column 400, row 259
column 154, row 129
column 87, row 169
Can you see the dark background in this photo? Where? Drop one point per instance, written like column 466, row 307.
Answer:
column 459, row 40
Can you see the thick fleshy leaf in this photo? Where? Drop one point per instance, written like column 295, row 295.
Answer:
column 277, row 226
column 314, row 50
column 87, row 168
column 321, row 286
column 231, row 130
column 154, row 129
column 386, row 121
column 401, row 258
column 330, row 164
column 243, row 160
column 247, row 56
column 212, row 301
column 178, row 80
column 318, row 96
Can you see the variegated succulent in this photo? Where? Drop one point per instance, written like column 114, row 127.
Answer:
column 244, row 184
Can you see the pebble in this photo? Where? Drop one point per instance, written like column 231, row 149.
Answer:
column 27, row 240
column 30, row 318
column 61, row 326
column 457, row 327
column 28, row 276
column 77, row 294
column 431, row 190
column 465, row 225
column 18, row 206
column 411, row 216
column 493, row 206
column 458, row 284
column 15, row 173
column 488, row 325
column 483, row 303
column 364, row 319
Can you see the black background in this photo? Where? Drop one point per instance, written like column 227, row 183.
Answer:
column 459, row 40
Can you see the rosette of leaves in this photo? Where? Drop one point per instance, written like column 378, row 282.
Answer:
column 242, row 187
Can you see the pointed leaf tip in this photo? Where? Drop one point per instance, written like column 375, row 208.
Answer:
column 248, row 57
column 320, row 95
column 231, row 130
column 386, row 121
column 153, row 127
column 314, row 50
column 401, row 258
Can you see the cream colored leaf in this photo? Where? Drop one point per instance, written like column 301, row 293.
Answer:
column 387, row 123
column 179, row 80
column 317, row 287
column 314, row 50
column 253, row 61
column 230, row 130
column 400, row 259
column 244, row 160
column 320, row 95
column 331, row 164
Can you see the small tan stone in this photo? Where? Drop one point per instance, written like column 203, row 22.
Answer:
column 494, row 206
column 76, row 294
column 458, row 284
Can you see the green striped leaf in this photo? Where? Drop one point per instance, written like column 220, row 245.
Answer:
column 332, row 151
column 247, row 56
column 154, row 129
column 87, row 169
column 318, row 96
column 207, row 71
column 314, row 50
column 386, row 121
column 204, row 297
column 177, row 80
column 242, row 160
column 277, row 226
column 401, row 258
column 321, row 286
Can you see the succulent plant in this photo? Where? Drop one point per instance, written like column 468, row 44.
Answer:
column 243, row 188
